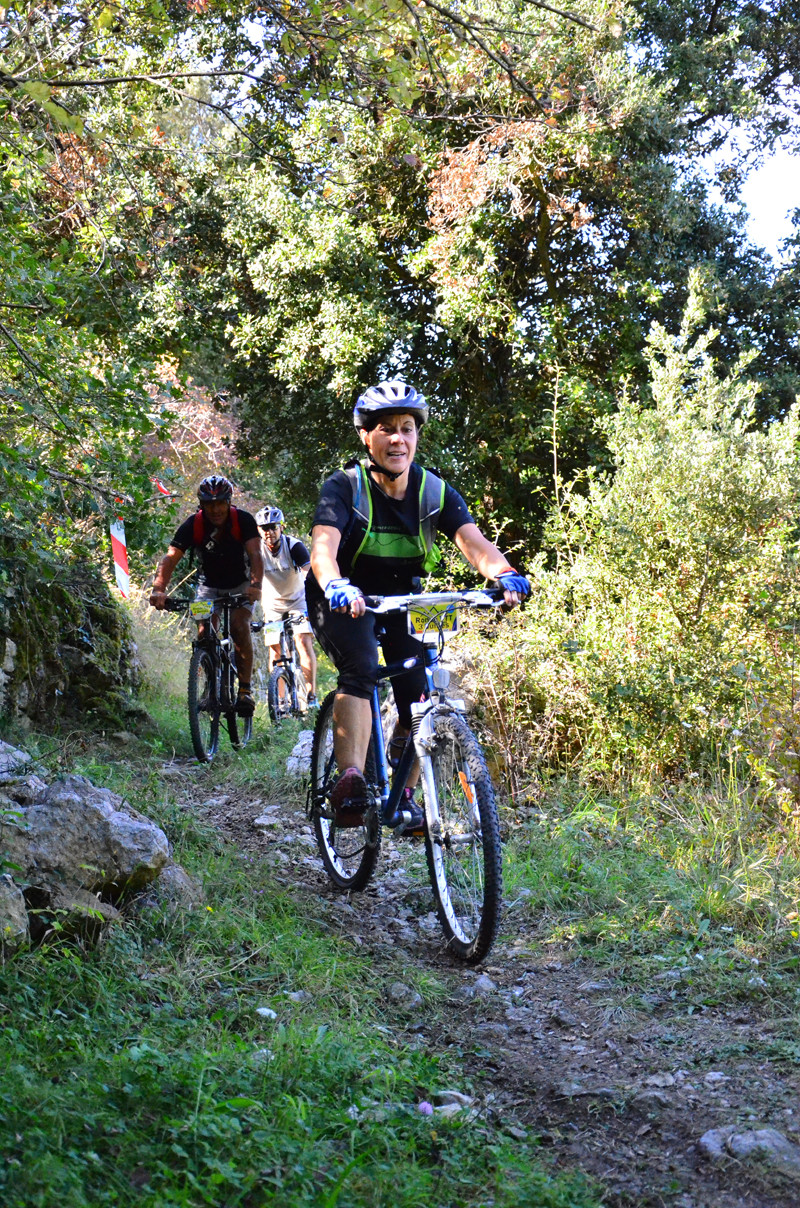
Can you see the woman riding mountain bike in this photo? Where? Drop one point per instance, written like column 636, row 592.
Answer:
column 374, row 534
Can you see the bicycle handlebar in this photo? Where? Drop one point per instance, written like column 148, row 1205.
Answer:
column 171, row 604
column 175, row 604
column 492, row 598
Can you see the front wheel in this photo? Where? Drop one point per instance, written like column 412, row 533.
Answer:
column 350, row 853
column 462, row 840
column 203, row 705
column 279, row 694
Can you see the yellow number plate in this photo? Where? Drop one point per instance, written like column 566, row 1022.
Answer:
column 200, row 609
column 425, row 622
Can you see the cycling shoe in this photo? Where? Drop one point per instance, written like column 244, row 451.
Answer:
column 349, row 798
column 415, row 827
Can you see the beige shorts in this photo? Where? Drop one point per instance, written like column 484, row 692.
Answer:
column 213, row 593
column 271, row 615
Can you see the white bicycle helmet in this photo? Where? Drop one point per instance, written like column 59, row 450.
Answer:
column 269, row 515
column 389, row 398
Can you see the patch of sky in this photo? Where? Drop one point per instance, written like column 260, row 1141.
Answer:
column 769, row 192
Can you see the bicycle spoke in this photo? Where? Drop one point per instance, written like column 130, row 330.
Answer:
column 349, row 854
column 463, row 845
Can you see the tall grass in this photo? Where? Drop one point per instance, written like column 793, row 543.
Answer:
column 142, row 1073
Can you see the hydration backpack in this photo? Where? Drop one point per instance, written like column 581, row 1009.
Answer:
column 198, row 532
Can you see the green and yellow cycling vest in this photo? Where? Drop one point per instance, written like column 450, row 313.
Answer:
column 396, row 545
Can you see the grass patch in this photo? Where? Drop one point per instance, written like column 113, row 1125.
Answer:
column 701, row 881
column 142, row 1073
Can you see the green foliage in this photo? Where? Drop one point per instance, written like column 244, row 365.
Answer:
column 496, row 262
column 700, row 878
column 663, row 622
column 141, row 1074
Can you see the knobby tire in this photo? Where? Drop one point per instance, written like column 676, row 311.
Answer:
column 240, row 728
column 464, row 851
column 280, row 707
column 349, row 854
column 203, row 706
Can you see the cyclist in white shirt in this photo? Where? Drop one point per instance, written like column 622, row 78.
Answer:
column 286, row 563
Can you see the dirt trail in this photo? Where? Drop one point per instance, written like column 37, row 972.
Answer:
column 619, row 1084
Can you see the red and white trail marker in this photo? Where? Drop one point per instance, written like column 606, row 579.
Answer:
column 120, row 552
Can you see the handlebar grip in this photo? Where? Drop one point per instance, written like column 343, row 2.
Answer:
column 171, row 604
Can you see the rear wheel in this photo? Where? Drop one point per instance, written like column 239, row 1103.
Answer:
column 279, row 694
column 462, row 840
column 349, row 854
column 203, row 705
column 240, row 728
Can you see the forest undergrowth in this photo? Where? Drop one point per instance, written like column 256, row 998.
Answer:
column 142, row 1072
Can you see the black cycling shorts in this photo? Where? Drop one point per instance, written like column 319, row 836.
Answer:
column 352, row 645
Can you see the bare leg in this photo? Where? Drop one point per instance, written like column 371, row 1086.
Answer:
column 308, row 660
column 400, row 733
column 274, row 653
column 352, row 727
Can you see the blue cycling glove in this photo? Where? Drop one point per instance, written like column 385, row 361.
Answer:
column 510, row 580
column 340, row 593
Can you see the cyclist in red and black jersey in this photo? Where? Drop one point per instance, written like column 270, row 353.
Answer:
column 229, row 546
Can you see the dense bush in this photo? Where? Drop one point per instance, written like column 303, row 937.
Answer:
column 661, row 634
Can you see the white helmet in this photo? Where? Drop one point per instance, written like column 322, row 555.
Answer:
column 389, row 398
column 269, row 515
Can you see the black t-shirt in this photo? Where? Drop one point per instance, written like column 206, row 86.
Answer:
column 223, row 560
column 384, row 575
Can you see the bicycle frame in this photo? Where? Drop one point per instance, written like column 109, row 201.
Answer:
column 219, row 646
column 461, row 828
column 289, row 658
column 390, row 813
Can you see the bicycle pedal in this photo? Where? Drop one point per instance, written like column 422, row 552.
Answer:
column 345, row 818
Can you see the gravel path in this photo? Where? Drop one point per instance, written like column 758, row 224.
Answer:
column 660, row 1104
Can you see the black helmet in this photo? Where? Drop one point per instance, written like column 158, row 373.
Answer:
column 215, row 487
column 269, row 516
column 389, row 398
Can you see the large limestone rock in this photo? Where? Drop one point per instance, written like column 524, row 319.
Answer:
column 69, row 852
column 764, row 1144
column 82, row 835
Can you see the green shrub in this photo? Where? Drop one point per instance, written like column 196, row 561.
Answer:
column 661, row 634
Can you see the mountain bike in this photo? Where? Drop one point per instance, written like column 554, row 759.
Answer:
column 286, row 689
column 213, row 678
column 462, row 831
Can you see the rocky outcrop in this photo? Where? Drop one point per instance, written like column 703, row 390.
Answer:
column 65, row 647
column 70, row 853
column 14, row 930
